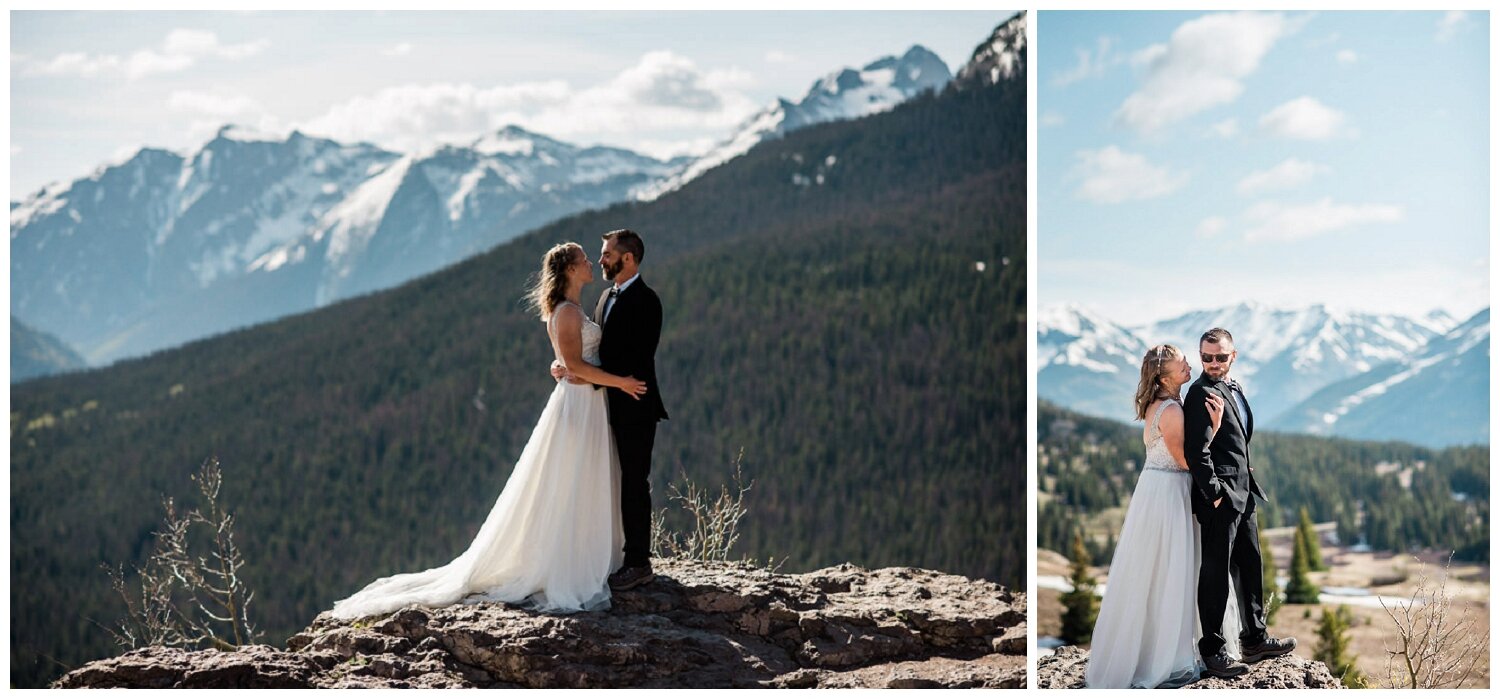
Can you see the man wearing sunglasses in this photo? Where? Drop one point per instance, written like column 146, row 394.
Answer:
column 1223, row 486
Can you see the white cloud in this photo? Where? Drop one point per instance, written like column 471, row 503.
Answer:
column 1288, row 174
column 1325, row 40
column 1347, row 57
column 1091, row 64
column 73, row 63
column 1228, row 128
column 778, row 56
column 1270, row 221
column 401, row 49
column 1112, row 176
column 1452, row 22
column 653, row 101
column 1304, row 118
column 180, row 50
column 143, row 63
column 1051, row 118
column 216, row 104
column 411, row 117
column 1211, row 226
column 1200, row 67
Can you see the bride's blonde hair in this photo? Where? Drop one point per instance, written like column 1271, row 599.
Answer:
column 1153, row 368
column 550, row 285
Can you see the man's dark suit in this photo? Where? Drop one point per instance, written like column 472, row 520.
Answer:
column 1220, row 464
column 631, row 332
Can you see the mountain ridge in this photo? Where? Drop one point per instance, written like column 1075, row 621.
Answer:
column 251, row 226
column 1288, row 356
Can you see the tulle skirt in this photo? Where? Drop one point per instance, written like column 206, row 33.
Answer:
column 1147, row 629
column 553, row 536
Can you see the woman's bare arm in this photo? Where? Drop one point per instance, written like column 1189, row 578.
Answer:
column 567, row 322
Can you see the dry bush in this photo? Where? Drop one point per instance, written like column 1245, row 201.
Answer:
column 1435, row 645
column 189, row 600
column 713, row 520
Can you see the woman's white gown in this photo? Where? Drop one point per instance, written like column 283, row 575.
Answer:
column 1147, row 629
column 553, row 536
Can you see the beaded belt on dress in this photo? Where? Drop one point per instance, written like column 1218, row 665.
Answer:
column 1168, row 469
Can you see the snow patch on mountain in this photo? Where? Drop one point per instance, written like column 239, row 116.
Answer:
column 842, row 94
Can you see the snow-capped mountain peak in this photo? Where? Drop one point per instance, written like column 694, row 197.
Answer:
column 1074, row 335
column 842, row 94
column 1003, row 57
column 1316, row 369
column 515, row 141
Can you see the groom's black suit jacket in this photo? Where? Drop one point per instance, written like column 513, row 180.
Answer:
column 1220, row 463
column 631, row 333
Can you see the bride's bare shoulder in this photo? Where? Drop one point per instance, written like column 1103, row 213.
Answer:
column 1170, row 412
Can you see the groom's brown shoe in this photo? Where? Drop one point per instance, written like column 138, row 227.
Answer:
column 631, row 577
column 1268, row 648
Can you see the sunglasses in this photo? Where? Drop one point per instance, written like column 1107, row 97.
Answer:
column 1210, row 358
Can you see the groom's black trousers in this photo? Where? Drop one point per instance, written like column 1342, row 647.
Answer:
column 633, row 441
column 1231, row 551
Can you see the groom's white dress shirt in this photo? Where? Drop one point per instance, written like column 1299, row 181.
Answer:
column 619, row 289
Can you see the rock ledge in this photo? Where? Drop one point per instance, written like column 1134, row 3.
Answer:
column 698, row 625
column 1064, row 669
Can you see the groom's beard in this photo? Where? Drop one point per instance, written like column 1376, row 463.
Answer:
column 610, row 272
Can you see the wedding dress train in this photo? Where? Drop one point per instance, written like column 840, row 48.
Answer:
column 1147, row 629
column 553, row 536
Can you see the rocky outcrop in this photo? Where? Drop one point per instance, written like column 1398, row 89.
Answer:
column 698, row 625
column 1064, row 669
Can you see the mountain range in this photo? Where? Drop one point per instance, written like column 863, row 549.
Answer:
column 165, row 248
column 34, row 353
column 1313, row 369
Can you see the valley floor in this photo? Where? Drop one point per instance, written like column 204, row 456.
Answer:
column 1368, row 575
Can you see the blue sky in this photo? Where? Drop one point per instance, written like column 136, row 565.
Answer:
column 93, row 87
column 1192, row 160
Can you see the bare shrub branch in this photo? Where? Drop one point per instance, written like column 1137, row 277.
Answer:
column 1435, row 645
column 714, row 520
column 189, row 600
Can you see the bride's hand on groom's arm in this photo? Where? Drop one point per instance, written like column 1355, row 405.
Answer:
column 560, row 372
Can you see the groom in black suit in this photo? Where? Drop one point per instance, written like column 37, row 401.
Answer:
column 630, row 314
column 1223, row 500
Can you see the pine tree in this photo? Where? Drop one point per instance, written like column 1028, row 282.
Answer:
column 1080, row 605
column 1310, row 539
column 1333, row 648
column 1300, row 590
column 1268, row 587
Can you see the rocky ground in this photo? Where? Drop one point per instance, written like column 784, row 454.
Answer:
column 1064, row 670
column 698, row 625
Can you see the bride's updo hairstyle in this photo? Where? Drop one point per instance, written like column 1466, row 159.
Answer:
column 1153, row 368
column 551, row 284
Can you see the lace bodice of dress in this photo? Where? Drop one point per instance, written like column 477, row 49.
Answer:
column 1157, row 456
column 592, row 334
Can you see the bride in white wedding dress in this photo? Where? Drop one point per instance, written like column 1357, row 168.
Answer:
column 553, row 536
column 1146, row 631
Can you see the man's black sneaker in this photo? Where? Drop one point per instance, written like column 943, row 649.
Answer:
column 1268, row 648
column 1221, row 665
